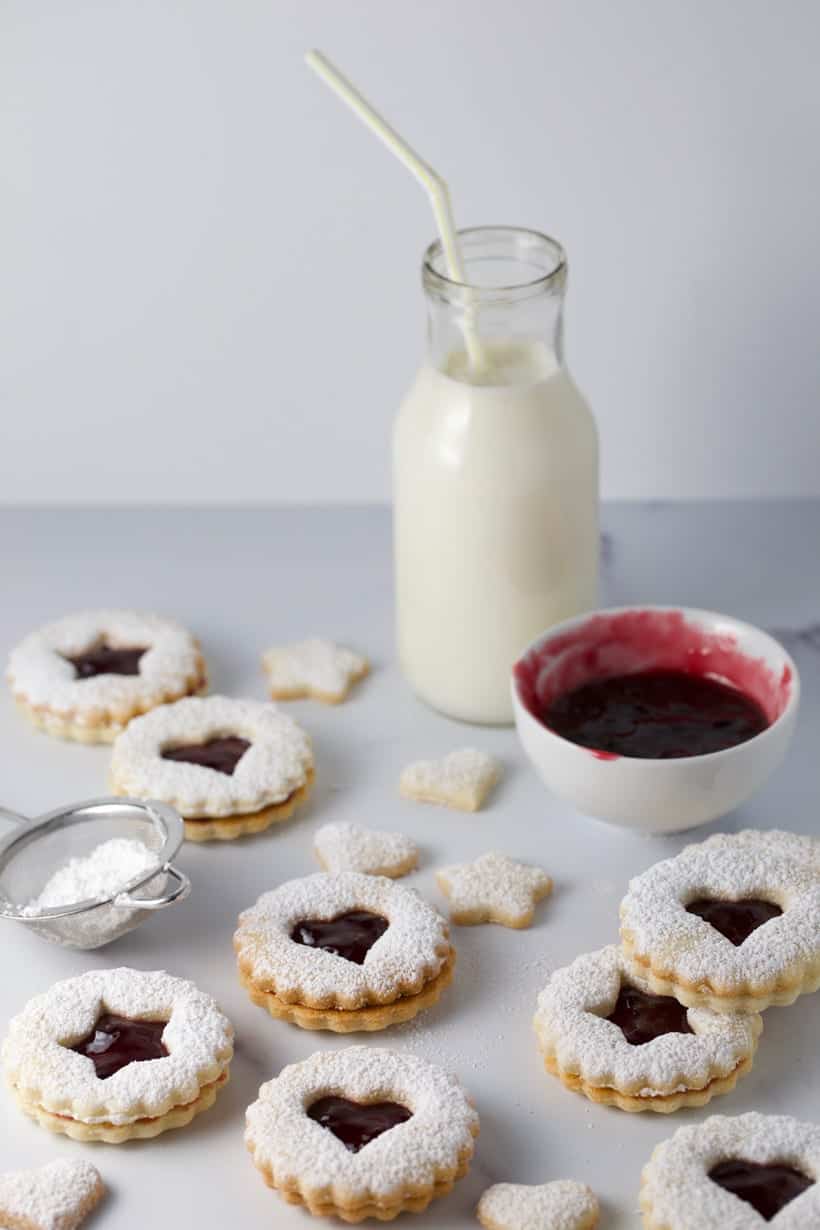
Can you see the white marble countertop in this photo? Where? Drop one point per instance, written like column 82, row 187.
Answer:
column 243, row 579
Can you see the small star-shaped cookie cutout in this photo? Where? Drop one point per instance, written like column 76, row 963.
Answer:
column 315, row 668
column 494, row 888
column 349, row 847
column 54, row 1197
column 562, row 1205
column 462, row 779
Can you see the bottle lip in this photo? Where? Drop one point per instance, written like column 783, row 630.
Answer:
column 522, row 243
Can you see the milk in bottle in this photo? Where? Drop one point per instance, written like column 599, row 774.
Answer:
column 495, row 477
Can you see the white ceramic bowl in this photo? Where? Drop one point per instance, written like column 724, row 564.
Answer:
column 655, row 796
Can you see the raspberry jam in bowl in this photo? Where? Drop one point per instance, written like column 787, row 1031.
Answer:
column 655, row 718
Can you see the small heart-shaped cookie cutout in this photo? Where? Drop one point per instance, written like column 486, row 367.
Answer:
column 767, row 1188
column 561, row 1205
column 54, row 1197
column 735, row 919
column 356, row 1124
column 349, row 935
column 222, row 754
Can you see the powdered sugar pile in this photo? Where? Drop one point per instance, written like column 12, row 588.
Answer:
column 99, row 875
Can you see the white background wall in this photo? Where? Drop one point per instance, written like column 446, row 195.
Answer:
column 209, row 270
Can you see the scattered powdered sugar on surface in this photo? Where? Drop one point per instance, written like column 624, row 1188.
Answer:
column 276, row 764
column 39, row 672
column 101, row 874
column 493, row 888
column 53, row 1197
column 42, row 1069
column 571, row 1026
column 314, row 666
column 349, row 847
column 679, row 1193
column 560, row 1205
column 461, row 779
column 410, row 952
column 300, row 1151
column 654, row 917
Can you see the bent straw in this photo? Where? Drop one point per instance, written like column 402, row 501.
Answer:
column 431, row 181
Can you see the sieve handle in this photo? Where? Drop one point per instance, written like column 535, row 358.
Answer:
column 12, row 817
column 181, row 889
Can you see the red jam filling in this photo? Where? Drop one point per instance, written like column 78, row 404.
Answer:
column 735, row 919
column 767, row 1188
column 222, row 754
column 350, row 935
column 642, row 1017
column 656, row 715
column 102, row 659
column 115, row 1041
column 357, row 1123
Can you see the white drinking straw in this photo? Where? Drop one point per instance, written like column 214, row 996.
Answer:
column 430, row 180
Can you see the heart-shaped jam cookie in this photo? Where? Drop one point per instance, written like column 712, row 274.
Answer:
column 343, row 952
column 610, row 1038
column 739, row 1171
column 362, row 1132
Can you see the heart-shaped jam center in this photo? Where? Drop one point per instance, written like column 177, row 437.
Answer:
column 642, row 1017
column 103, row 659
column 222, row 754
column 115, row 1041
column 357, row 1123
column 766, row 1187
column 349, row 935
column 735, row 919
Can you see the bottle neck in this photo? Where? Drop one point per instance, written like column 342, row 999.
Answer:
column 504, row 323
column 527, row 337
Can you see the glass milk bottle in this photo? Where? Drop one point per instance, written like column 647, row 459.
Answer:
column 495, row 476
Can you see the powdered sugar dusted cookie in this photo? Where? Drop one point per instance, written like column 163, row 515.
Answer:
column 86, row 676
column 765, row 842
column 117, row 1054
column 54, row 1197
column 316, row 668
column 362, row 1132
column 462, row 779
column 348, row 847
column 230, row 767
column 494, row 888
column 343, row 952
column 729, row 926
column 739, row 1173
column 606, row 1036
column 560, row 1205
